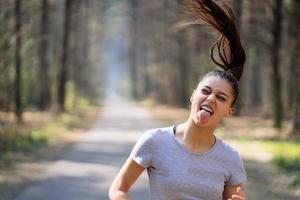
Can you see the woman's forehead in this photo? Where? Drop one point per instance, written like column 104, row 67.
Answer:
column 216, row 83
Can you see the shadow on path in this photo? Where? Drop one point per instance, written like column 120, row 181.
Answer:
column 266, row 182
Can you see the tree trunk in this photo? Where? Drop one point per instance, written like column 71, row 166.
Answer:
column 275, row 50
column 6, row 94
column 238, row 8
column 86, row 34
column 295, row 69
column 255, row 79
column 18, row 64
column 63, row 73
column 133, row 47
column 296, row 117
column 294, row 44
column 44, row 89
column 183, row 65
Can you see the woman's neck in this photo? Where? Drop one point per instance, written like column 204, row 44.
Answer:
column 195, row 138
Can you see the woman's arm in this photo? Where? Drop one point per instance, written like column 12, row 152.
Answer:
column 124, row 180
column 233, row 192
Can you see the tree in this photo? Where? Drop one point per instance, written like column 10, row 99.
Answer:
column 238, row 8
column 133, row 6
column 295, row 65
column 43, row 100
column 183, row 59
column 6, row 85
column 275, row 61
column 63, row 72
column 255, row 62
column 18, row 61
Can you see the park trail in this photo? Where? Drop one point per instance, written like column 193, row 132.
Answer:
column 86, row 171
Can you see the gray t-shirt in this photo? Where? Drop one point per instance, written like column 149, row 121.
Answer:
column 176, row 173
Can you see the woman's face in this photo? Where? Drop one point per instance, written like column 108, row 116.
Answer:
column 211, row 101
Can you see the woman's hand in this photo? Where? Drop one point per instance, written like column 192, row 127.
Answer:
column 233, row 192
column 239, row 195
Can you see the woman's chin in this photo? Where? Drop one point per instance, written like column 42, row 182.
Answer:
column 200, row 123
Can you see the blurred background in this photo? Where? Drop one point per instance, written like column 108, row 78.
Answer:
column 59, row 60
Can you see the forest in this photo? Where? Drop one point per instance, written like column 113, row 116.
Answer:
column 55, row 52
column 61, row 59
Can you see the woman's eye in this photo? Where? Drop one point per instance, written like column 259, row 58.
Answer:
column 221, row 98
column 204, row 91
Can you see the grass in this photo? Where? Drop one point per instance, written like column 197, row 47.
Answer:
column 296, row 181
column 16, row 140
column 285, row 155
column 13, row 142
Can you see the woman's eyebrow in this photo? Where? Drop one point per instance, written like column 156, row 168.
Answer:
column 220, row 92
column 207, row 87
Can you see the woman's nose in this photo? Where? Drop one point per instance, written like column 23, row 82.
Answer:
column 211, row 97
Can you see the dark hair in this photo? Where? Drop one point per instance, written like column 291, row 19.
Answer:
column 230, row 52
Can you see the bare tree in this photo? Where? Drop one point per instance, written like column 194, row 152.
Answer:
column 294, row 65
column 254, row 49
column 183, row 59
column 133, row 6
column 238, row 8
column 275, row 61
column 63, row 72
column 18, row 61
column 6, row 96
column 43, row 100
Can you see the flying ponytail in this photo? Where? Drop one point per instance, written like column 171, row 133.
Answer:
column 230, row 53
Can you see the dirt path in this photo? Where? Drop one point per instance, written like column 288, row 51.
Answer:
column 88, row 168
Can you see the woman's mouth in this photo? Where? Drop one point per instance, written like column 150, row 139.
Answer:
column 207, row 109
column 204, row 114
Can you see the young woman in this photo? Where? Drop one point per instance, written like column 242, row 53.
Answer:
column 188, row 161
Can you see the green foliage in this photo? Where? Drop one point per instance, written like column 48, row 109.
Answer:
column 21, row 143
column 296, row 181
column 283, row 149
column 29, row 87
column 21, row 140
column 16, row 139
column 70, row 96
column 287, row 163
column 286, row 156
column 75, row 101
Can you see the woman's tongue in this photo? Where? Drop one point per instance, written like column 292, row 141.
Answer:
column 203, row 116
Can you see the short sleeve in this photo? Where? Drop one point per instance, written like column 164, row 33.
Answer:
column 237, row 171
column 142, row 152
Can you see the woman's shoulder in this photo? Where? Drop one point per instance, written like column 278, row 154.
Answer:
column 227, row 149
column 159, row 133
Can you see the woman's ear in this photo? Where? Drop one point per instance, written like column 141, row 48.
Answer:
column 229, row 112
